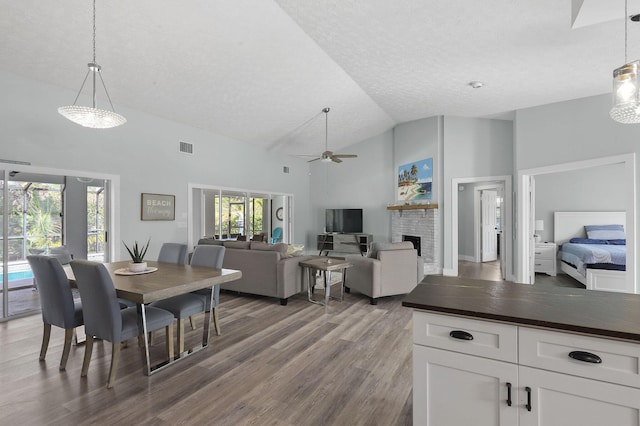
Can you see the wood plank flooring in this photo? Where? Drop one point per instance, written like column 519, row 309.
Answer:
column 272, row 365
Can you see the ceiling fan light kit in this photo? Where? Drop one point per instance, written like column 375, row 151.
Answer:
column 626, row 85
column 92, row 117
column 328, row 156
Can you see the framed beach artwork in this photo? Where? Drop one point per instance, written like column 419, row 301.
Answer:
column 414, row 180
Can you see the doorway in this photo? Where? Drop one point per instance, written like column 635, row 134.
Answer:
column 467, row 233
column 48, row 212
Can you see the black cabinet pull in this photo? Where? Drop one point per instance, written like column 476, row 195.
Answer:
column 528, row 389
column 509, row 394
column 585, row 357
column 461, row 335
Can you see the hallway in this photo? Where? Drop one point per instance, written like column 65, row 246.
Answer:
column 490, row 271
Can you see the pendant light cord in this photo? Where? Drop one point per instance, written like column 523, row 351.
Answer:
column 94, row 31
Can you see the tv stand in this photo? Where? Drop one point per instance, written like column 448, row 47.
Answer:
column 344, row 243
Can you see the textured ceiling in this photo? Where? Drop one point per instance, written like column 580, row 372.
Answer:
column 258, row 70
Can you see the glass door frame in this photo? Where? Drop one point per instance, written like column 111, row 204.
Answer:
column 196, row 209
column 112, row 222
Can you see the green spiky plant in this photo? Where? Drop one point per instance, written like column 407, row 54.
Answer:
column 137, row 253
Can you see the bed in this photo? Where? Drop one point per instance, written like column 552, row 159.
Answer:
column 599, row 265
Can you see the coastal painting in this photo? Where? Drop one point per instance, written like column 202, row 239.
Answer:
column 414, row 180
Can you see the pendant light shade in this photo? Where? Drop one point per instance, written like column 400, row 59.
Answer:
column 626, row 94
column 626, row 87
column 92, row 116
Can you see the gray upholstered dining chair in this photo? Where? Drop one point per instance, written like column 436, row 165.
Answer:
column 173, row 253
column 211, row 257
column 56, row 301
column 103, row 318
column 184, row 305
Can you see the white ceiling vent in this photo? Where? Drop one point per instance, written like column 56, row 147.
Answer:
column 186, row 147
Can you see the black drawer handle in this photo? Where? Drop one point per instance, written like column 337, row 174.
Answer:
column 461, row 335
column 585, row 357
column 528, row 406
column 509, row 394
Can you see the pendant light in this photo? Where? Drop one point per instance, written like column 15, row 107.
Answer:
column 92, row 116
column 626, row 87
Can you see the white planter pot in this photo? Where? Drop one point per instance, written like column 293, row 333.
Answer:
column 137, row 267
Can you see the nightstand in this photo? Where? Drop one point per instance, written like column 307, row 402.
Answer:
column 545, row 258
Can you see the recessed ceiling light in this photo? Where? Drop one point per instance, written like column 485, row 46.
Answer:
column 476, row 84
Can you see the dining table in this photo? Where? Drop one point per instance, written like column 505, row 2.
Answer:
column 161, row 281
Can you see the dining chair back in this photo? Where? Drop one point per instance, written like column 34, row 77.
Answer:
column 211, row 257
column 105, row 320
column 62, row 253
column 173, row 253
column 56, row 301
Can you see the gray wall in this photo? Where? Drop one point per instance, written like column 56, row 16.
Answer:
column 591, row 189
column 473, row 147
column 144, row 153
column 365, row 182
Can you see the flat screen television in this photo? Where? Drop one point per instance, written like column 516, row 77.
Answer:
column 345, row 221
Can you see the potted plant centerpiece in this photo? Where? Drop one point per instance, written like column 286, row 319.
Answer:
column 137, row 256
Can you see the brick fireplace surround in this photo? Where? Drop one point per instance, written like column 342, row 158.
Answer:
column 421, row 222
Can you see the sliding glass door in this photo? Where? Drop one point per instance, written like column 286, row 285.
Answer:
column 233, row 214
column 39, row 214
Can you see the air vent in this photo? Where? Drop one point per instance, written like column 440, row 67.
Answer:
column 285, row 169
column 186, row 147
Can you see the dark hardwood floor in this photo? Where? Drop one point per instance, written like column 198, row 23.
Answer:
column 272, row 365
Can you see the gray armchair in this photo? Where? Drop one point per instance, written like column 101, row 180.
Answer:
column 390, row 269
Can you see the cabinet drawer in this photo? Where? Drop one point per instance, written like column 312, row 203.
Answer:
column 545, row 252
column 549, row 350
column 543, row 265
column 489, row 340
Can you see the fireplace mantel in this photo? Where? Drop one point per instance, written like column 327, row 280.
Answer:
column 413, row 207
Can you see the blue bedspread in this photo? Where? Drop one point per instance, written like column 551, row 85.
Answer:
column 580, row 255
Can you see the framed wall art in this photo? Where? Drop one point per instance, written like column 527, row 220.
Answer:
column 415, row 180
column 158, row 207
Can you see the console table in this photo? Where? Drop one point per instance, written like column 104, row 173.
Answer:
column 344, row 243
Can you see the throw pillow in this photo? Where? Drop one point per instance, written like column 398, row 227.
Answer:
column 294, row 250
column 605, row 232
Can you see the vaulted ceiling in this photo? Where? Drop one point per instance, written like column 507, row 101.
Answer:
column 261, row 71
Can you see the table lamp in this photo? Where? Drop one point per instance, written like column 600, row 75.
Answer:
column 539, row 226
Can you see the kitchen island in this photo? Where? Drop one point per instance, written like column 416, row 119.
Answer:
column 499, row 353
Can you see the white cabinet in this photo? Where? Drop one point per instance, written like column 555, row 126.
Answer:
column 455, row 389
column 545, row 258
column 561, row 399
column 468, row 372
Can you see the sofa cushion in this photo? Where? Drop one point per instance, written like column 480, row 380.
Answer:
column 210, row 241
column 237, row 244
column 259, row 245
column 377, row 247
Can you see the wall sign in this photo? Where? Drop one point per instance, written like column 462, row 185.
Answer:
column 158, row 207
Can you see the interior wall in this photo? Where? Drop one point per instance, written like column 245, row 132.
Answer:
column 366, row 182
column 466, row 217
column 593, row 189
column 571, row 131
column 75, row 217
column 473, row 147
column 144, row 153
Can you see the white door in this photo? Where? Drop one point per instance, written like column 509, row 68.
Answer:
column 454, row 389
column 556, row 399
column 489, row 235
column 530, row 227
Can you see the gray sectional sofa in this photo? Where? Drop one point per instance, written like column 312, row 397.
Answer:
column 266, row 268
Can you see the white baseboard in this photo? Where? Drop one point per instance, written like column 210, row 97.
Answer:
column 449, row 273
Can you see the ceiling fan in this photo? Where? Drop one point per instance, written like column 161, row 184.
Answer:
column 328, row 156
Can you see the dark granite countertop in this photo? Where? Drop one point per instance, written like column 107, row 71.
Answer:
column 598, row 313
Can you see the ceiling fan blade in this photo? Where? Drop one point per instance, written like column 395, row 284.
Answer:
column 335, row 159
column 345, row 156
column 315, row 159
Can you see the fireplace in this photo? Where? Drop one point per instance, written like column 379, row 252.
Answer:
column 416, row 241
